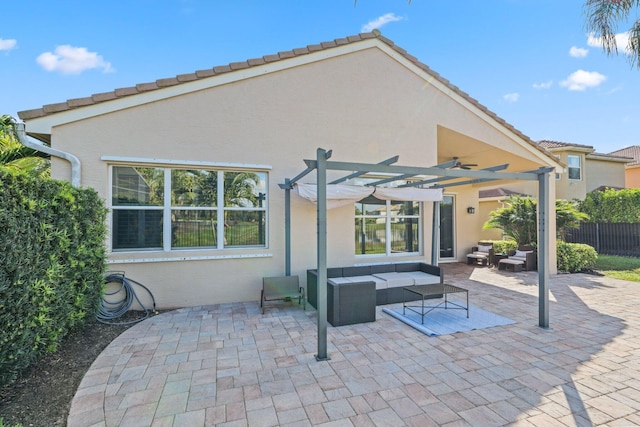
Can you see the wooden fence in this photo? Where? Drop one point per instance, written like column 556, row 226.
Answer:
column 607, row 238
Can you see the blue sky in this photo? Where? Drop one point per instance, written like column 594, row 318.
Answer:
column 529, row 61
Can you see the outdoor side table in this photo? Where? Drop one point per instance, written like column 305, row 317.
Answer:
column 425, row 291
column 497, row 258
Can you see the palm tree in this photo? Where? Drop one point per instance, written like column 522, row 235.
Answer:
column 16, row 157
column 603, row 17
column 519, row 219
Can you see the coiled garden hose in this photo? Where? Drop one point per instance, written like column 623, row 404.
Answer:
column 113, row 309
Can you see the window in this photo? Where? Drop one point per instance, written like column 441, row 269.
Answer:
column 387, row 227
column 575, row 171
column 164, row 209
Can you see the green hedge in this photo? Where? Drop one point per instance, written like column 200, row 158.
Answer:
column 52, row 261
column 575, row 257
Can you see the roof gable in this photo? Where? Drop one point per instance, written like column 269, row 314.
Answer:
column 42, row 120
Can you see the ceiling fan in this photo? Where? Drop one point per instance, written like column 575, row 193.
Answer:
column 460, row 165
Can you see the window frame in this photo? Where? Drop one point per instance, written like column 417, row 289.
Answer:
column 168, row 208
column 388, row 219
column 578, row 168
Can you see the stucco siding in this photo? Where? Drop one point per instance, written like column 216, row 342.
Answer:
column 632, row 177
column 599, row 173
column 366, row 106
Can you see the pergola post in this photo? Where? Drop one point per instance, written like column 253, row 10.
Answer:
column 544, row 213
column 321, row 164
column 287, row 227
column 321, row 171
column 435, row 232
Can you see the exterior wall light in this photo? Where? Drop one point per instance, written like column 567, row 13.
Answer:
column 471, row 210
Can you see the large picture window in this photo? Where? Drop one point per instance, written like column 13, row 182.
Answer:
column 387, row 227
column 165, row 209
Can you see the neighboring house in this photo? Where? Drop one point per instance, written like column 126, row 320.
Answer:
column 190, row 166
column 586, row 169
column 632, row 169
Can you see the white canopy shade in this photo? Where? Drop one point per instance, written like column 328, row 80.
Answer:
column 341, row 194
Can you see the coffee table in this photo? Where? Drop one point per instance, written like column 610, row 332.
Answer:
column 441, row 290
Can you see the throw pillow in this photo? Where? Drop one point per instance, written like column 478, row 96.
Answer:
column 522, row 253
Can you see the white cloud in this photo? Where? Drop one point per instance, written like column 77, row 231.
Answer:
column 578, row 52
column 581, row 80
column 543, row 85
column 622, row 42
column 380, row 21
column 512, row 97
column 7, row 44
column 72, row 60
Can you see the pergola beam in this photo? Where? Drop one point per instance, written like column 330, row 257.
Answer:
column 389, row 161
column 429, row 181
column 322, row 165
column 409, row 175
column 416, row 170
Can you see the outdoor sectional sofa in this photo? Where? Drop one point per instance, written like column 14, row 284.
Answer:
column 354, row 292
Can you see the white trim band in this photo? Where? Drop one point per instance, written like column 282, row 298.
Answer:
column 121, row 159
column 185, row 258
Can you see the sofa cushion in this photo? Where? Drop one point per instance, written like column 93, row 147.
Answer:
column 421, row 278
column 339, row 280
column 395, row 280
column 334, row 272
column 380, row 283
column 483, row 248
column 383, row 268
column 363, row 270
column 522, row 254
column 407, row 266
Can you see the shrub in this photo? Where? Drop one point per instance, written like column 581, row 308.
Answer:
column 611, row 205
column 575, row 257
column 52, row 260
column 503, row 246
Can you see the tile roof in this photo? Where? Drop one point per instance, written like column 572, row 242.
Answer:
column 256, row 62
column 499, row 192
column 550, row 145
column 557, row 144
column 633, row 152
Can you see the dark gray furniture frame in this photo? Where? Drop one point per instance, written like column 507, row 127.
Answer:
column 355, row 302
column 430, row 291
column 484, row 260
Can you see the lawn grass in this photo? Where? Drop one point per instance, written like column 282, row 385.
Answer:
column 618, row 267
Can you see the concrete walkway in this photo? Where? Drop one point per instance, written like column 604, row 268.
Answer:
column 229, row 365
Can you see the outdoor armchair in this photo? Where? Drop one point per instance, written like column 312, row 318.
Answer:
column 482, row 253
column 281, row 288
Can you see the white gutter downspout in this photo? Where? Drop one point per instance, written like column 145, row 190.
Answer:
column 38, row 146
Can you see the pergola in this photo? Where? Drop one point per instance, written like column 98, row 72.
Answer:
column 443, row 173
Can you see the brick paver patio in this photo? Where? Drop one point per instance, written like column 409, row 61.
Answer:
column 229, row 365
